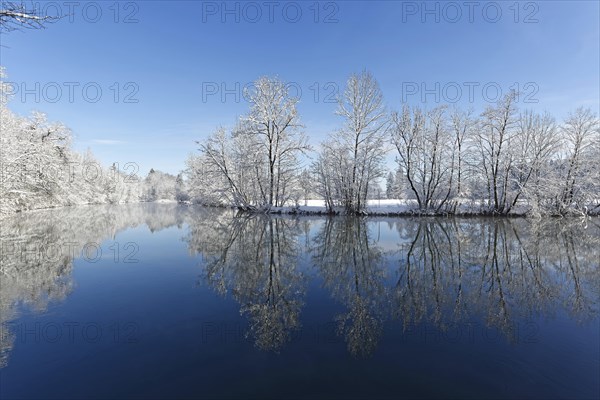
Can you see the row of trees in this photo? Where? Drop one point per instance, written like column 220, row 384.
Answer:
column 39, row 169
column 446, row 158
column 501, row 158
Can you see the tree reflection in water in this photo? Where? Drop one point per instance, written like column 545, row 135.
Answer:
column 351, row 265
column 443, row 271
column 37, row 249
column 504, row 269
column 256, row 258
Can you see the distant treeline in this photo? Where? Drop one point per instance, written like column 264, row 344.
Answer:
column 39, row 169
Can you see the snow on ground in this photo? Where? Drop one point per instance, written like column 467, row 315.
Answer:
column 392, row 207
column 374, row 207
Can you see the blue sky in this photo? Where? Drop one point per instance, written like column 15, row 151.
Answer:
column 175, row 58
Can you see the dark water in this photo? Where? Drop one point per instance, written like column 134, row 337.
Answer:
column 169, row 301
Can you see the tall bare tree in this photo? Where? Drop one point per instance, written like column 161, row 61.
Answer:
column 495, row 141
column 581, row 133
column 425, row 154
column 537, row 144
column 257, row 164
column 274, row 119
column 361, row 143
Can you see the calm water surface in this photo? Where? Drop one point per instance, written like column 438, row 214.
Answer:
column 165, row 300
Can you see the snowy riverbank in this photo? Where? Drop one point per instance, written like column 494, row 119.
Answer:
column 395, row 207
column 375, row 208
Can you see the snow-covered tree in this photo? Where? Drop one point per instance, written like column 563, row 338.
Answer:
column 256, row 165
column 160, row 186
column 426, row 154
column 537, row 144
column 40, row 169
column 496, row 141
column 352, row 159
column 305, row 186
column 274, row 121
column 390, row 185
column 226, row 171
column 463, row 125
column 181, row 189
column 579, row 175
column 331, row 173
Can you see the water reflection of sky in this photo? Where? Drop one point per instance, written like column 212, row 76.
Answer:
column 213, row 303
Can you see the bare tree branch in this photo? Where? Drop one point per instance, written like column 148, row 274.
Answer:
column 17, row 16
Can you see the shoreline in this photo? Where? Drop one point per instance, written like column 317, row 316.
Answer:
column 412, row 213
column 321, row 211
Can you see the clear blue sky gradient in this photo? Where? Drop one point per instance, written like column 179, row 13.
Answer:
column 178, row 49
